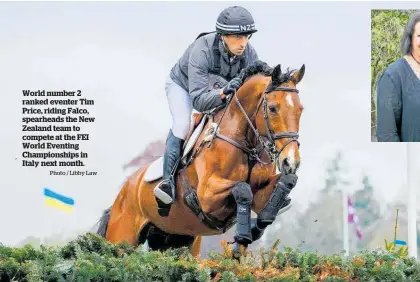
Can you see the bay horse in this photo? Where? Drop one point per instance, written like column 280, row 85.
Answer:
column 228, row 168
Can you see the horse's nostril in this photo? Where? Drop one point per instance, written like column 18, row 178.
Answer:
column 286, row 162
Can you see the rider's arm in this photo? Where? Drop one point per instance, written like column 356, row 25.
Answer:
column 202, row 97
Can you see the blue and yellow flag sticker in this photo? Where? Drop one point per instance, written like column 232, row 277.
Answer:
column 58, row 201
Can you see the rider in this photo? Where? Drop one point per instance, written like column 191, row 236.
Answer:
column 212, row 59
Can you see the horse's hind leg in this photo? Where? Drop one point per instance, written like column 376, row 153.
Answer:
column 123, row 228
column 193, row 243
column 125, row 221
column 161, row 241
column 156, row 239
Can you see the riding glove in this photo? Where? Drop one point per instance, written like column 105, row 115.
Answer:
column 232, row 85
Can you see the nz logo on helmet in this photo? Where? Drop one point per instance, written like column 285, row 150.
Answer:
column 246, row 27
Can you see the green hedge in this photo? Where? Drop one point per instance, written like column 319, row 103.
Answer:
column 91, row 258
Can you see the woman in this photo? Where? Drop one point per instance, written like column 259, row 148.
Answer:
column 398, row 96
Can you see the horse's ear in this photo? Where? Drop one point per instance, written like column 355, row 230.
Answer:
column 297, row 76
column 276, row 72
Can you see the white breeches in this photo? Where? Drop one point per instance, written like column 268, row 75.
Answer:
column 180, row 106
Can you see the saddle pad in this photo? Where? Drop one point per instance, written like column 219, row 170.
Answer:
column 154, row 171
column 194, row 136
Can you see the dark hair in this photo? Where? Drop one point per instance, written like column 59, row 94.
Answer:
column 257, row 67
column 408, row 34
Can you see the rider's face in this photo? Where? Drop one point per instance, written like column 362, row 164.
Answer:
column 236, row 43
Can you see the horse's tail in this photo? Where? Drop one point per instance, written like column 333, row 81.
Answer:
column 103, row 223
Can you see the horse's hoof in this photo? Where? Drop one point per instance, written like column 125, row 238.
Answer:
column 236, row 255
column 238, row 250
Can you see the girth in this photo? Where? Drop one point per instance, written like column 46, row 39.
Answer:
column 192, row 201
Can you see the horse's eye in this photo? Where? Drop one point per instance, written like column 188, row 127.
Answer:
column 272, row 108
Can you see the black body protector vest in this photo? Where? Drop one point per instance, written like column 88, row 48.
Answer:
column 217, row 56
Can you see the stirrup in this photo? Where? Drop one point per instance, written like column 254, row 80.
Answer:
column 163, row 196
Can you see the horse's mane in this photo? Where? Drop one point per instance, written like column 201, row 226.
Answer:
column 260, row 67
column 280, row 78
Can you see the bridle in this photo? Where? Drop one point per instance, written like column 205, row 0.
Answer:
column 269, row 146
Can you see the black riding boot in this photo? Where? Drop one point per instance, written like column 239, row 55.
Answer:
column 165, row 192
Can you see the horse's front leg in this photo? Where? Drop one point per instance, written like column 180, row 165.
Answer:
column 243, row 237
column 275, row 203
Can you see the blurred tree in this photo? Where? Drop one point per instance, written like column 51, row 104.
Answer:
column 367, row 207
column 335, row 175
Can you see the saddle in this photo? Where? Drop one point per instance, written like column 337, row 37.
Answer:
column 198, row 121
column 195, row 121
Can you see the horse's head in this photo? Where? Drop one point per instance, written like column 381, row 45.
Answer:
column 277, row 118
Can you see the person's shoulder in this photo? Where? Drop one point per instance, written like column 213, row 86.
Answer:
column 394, row 74
column 205, row 40
column 202, row 45
column 200, row 49
column 394, row 69
column 251, row 48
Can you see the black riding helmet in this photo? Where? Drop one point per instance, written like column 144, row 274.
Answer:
column 235, row 20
